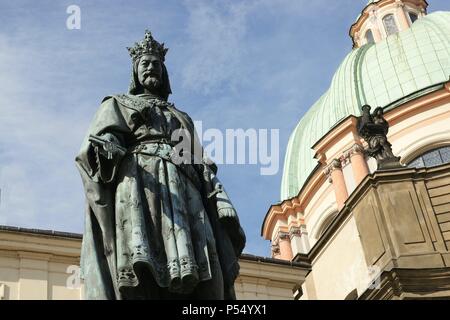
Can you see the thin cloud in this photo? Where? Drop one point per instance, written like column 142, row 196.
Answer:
column 215, row 36
column 233, row 64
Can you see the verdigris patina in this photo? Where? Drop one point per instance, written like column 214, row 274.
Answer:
column 159, row 224
column 373, row 128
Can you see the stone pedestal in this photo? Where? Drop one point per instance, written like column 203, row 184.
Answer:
column 392, row 163
column 403, row 219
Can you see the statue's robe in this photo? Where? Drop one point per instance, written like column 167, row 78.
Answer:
column 151, row 231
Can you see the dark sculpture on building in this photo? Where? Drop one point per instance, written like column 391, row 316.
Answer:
column 373, row 128
column 159, row 225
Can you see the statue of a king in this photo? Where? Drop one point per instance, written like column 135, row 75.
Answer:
column 158, row 223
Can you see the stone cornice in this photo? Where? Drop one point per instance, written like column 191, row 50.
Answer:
column 346, row 125
column 251, row 257
column 40, row 232
column 34, row 255
column 280, row 211
column 411, row 284
column 35, row 243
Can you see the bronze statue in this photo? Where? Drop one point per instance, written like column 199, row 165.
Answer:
column 159, row 224
column 373, row 128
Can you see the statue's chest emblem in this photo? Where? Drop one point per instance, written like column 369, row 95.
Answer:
column 149, row 112
column 140, row 104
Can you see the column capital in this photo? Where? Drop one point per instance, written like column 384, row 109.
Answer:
column 357, row 157
column 282, row 235
column 401, row 15
column 281, row 246
column 275, row 249
column 295, row 232
column 336, row 177
column 355, row 149
column 334, row 165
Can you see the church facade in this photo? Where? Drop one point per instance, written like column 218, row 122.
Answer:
column 368, row 233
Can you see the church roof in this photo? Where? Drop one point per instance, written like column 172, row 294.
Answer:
column 402, row 65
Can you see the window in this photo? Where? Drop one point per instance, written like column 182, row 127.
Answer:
column 369, row 37
column 389, row 24
column 432, row 158
column 413, row 17
column 325, row 224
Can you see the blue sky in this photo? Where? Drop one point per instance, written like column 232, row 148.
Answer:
column 232, row 64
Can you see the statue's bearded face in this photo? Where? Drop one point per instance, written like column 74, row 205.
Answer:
column 149, row 72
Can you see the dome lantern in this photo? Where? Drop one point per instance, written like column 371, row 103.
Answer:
column 380, row 19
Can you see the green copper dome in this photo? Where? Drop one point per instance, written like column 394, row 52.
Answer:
column 401, row 66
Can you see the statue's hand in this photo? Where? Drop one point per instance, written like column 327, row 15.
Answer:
column 109, row 147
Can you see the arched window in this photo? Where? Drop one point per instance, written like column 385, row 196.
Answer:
column 432, row 158
column 413, row 17
column 369, row 37
column 389, row 24
column 325, row 224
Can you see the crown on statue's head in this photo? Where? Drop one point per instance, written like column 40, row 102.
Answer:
column 148, row 46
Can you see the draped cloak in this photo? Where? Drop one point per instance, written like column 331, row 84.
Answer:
column 147, row 217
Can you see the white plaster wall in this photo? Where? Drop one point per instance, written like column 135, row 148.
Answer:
column 279, row 224
column 340, row 267
column 9, row 277
column 349, row 178
column 419, row 133
column 322, row 204
column 29, row 279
